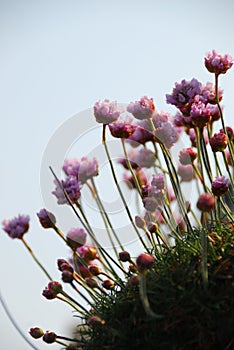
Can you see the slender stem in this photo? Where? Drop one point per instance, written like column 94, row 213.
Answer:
column 36, row 260
column 203, row 237
column 144, row 298
column 119, row 189
column 136, row 182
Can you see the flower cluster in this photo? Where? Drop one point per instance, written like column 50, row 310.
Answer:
column 166, row 217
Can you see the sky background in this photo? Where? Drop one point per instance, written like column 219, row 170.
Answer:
column 57, row 59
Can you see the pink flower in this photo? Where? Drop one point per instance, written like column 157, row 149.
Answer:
column 145, row 262
column 200, row 114
column 17, row 226
column 83, row 169
column 220, row 186
column 208, row 93
column 158, row 181
column 183, row 95
column 230, row 132
column 72, row 188
column 218, row 64
column 187, row 156
column 122, row 128
column 144, row 158
column 218, row 142
column 140, row 175
column 166, row 134
column 106, row 112
column 142, row 109
column 76, row 237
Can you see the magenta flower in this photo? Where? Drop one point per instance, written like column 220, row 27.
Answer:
column 220, row 186
column 200, row 115
column 76, row 237
column 218, row 64
column 72, row 188
column 17, row 226
column 47, row 219
column 142, row 109
column 218, row 142
column 183, row 95
column 122, row 128
column 106, row 112
column 71, row 167
column 167, row 134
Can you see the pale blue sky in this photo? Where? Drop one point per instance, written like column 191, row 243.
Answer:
column 57, row 59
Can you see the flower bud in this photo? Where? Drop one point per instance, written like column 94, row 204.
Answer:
column 47, row 219
column 95, row 270
column 145, row 262
column 124, row 256
column 91, row 282
column 108, row 284
column 67, row 276
column 36, row 332
column 49, row 337
column 206, row 202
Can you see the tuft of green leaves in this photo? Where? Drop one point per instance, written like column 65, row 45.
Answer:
column 193, row 317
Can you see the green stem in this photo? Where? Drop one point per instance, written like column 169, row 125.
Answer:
column 119, row 189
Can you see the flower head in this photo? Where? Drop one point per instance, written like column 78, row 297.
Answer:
column 47, row 219
column 183, row 95
column 187, row 156
column 218, row 64
column 208, row 93
column 218, row 142
column 167, row 134
column 36, row 332
column 72, row 188
column 144, row 158
column 142, row 109
column 200, row 115
column 220, row 186
column 106, row 112
column 122, row 128
column 17, row 226
column 158, row 181
column 76, row 237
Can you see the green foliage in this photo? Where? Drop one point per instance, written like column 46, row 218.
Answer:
column 193, row 317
